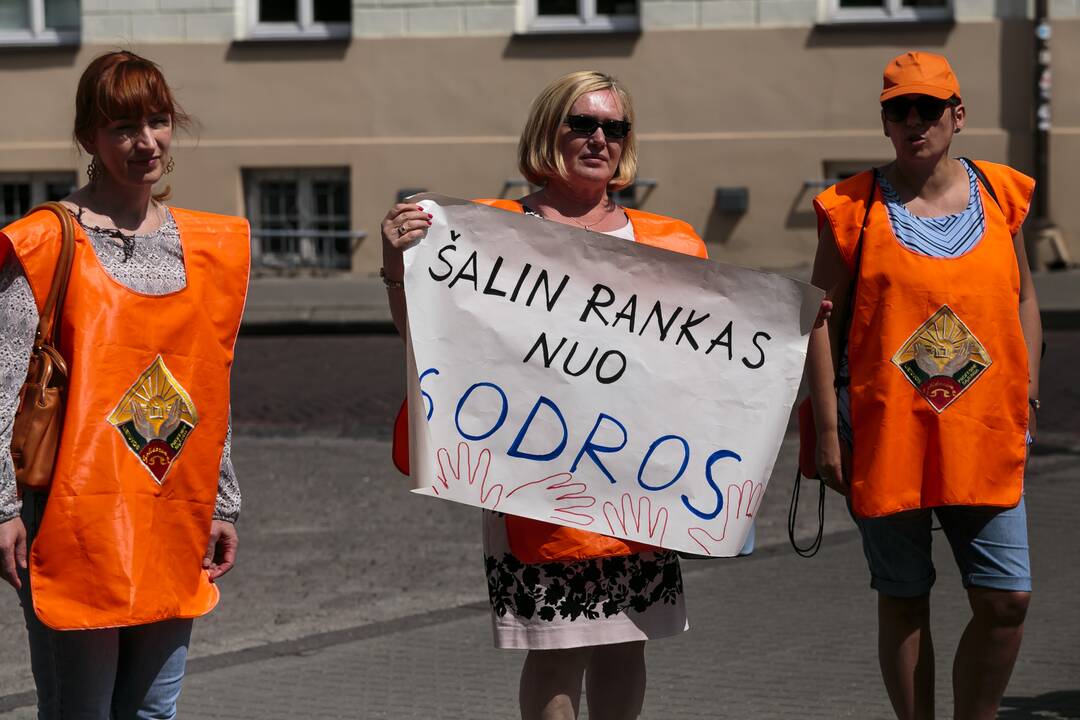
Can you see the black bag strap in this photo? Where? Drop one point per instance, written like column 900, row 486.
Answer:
column 984, row 180
column 793, row 509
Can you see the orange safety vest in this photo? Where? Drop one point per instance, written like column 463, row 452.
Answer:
column 136, row 476
column 536, row 541
column 937, row 357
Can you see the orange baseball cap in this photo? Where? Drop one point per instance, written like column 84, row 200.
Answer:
column 919, row 73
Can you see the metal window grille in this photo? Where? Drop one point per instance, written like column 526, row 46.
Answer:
column 21, row 191
column 300, row 219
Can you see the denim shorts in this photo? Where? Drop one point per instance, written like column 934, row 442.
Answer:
column 990, row 546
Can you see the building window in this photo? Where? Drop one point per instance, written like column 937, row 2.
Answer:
column 842, row 11
column 299, row 19
column 581, row 16
column 21, row 191
column 39, row 22
column 300, row 219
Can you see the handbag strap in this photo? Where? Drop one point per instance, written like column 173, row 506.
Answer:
column 54, row 302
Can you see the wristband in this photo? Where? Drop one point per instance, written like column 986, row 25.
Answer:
column 391, row 284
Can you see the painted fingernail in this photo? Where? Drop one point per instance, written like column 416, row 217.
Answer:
column 430, row 215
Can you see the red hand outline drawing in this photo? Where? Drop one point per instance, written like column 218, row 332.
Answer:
column 475, row 475
column 625, row 521
column 570, row 502
column 750, row 495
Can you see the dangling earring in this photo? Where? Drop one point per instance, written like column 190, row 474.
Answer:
column 92, row 170
column 170, row 166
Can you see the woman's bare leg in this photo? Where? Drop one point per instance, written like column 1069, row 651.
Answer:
column 906, row 655
column 550, row 686
column 615, row 681
column 987, row 651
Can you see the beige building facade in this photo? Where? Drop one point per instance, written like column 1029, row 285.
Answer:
column 315, row 114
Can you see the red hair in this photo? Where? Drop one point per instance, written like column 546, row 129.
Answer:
column 122, row 85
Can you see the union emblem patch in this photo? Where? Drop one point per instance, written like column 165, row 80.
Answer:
column 155, row 418
column 942, row 358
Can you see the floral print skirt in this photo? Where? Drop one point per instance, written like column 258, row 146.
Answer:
column 587, row 602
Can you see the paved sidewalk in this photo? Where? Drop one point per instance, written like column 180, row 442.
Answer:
column 772, row 636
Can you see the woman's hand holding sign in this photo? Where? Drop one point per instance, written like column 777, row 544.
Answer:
column 404, row 224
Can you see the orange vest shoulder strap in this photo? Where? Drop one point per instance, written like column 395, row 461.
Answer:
column 844, row 207
column 213, row 222
column 502, row 204
column 1013, row 190
column 666, row 232
column 35, row 239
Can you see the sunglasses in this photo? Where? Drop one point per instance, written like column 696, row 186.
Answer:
column 929, row 108
column 587, row 124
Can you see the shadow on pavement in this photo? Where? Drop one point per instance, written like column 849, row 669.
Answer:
column 1059, row 705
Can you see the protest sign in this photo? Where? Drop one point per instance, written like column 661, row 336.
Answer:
column 584, row 380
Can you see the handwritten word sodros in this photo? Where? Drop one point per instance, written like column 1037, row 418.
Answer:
column 482, row 412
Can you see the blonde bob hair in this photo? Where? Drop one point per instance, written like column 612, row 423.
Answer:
column 538, row 157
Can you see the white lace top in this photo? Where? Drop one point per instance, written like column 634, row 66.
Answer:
column 152, row 264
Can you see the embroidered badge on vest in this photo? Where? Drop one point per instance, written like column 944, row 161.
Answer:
column 155, row 417
column 942, row 358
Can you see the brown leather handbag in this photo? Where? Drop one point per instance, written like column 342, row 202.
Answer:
column 35, row 433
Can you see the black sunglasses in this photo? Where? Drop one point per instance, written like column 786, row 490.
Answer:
column 929, row 108
column 587, row 124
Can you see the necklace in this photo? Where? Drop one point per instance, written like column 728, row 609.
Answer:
column 605, row 216
column 127, row 242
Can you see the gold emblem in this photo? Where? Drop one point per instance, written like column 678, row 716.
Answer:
column 942, row 358
column 155, row 418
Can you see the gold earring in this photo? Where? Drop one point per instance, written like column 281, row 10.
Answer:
column 92, row 170
column 170, row 166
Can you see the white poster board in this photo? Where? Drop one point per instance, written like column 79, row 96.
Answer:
column 584, row 380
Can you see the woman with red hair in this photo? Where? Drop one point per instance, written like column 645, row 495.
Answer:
column 118, row 554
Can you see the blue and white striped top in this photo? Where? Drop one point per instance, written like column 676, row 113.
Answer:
column 942, row 237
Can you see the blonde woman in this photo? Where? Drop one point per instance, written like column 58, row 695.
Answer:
column 583, row 605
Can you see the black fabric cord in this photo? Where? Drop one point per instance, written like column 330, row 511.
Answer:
column 810, row 550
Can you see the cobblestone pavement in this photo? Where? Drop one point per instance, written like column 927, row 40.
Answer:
column 355, row 599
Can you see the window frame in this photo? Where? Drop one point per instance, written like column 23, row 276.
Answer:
column 305, row 28
column 307, row 255
column 586, row 21
column 38, row 182
column 36, row 34
column 889, row 11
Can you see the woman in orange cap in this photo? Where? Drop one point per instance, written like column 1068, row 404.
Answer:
column 933, row 350
column 120, row 552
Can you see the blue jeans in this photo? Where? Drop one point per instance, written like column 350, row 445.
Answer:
column 132, row 673
column 990, row 546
